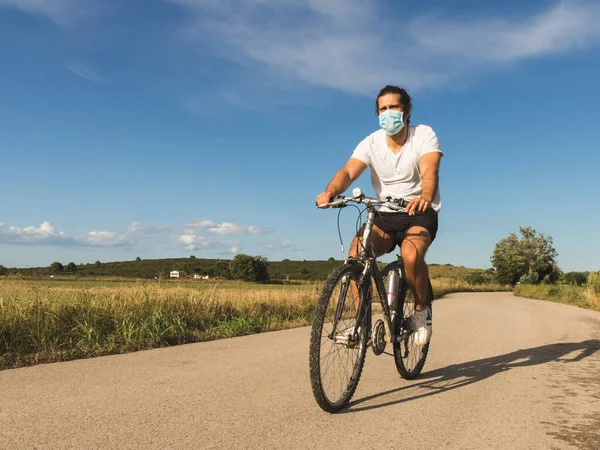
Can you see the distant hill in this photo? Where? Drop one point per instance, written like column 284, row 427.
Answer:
column 278, row 270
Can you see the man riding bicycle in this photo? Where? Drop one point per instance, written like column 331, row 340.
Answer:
column 404, row 162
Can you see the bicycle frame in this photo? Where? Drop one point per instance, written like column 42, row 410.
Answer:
column 371, row 271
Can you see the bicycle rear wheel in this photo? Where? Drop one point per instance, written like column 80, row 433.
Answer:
column 409, row 357
column 338, row 343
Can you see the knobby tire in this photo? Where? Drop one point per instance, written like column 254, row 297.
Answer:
column 320, row 344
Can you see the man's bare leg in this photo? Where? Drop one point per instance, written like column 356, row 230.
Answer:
column 415, row 245
column 381, row 242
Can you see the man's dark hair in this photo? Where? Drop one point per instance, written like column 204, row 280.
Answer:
column 404, row 99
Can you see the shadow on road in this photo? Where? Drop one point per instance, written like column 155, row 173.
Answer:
column 459, row 375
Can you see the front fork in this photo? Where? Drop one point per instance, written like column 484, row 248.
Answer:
column 363, row 307
column 340, row 305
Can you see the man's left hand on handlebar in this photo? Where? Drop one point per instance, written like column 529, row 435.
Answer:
column 417, row 205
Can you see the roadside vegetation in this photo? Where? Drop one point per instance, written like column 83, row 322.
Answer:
column 60, row 319
column 529, row 263
column 586, row 295
column 65, row 312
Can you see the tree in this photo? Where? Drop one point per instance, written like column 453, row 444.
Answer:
column 56, row 267
column 577, row 278
column 3, row 270
column 138, row 259
column 331, row 259
column 71, row 267
column 221, row 270
column 531, row 259
column 98, row 264
column 189, row 269
column 249, row 268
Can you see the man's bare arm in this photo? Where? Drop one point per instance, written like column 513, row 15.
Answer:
column 342, row 180
column 430, row 168
column 345, row 176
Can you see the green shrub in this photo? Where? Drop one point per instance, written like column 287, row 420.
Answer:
column 531, row 278
column 548, row 279
column 476, row 278
column 577, row 278
column 593, row 282
column 481, row 277
column 554, row 291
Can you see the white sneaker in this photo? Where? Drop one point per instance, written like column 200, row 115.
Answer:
column 423, row 326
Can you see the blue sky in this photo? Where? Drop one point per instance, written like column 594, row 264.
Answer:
column 168, row 128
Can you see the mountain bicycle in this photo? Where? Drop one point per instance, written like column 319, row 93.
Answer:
column 342, row 328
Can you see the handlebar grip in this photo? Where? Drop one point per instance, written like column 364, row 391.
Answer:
column 338, row 203
column 398, row 201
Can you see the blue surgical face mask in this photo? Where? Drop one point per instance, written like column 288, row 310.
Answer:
column 391, row 121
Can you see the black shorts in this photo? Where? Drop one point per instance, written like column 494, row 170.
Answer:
column 396, row 224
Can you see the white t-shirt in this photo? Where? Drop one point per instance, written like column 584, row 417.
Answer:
column 398, row 175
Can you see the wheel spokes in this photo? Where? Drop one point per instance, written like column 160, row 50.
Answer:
column 411, row 353
column 338, row 358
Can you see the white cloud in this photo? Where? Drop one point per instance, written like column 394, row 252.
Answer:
column 86, row 72
column 44, row 230
column 31, row 234
column 61, row 12
column 567, row 25
column 46, row 234
column 278, row 245
column 134, row 227
column 350, row 45
column 105, row 239
column 231, row 228
column 137, row 227
column 187, row 239
column 199, row 226
column 192, row 242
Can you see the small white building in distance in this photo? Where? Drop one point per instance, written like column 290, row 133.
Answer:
column 177, row 274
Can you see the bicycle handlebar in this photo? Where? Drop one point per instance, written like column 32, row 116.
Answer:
column 396, row 204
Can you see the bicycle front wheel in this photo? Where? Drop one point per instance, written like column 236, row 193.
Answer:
column 338, row 343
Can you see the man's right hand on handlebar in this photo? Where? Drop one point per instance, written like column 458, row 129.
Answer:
column 324, row 198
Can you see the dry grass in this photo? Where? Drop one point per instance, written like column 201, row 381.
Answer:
column 442, row 286
column 40, row 322
column 583, row 297
column 46, row 321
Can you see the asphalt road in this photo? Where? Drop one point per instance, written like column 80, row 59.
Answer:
column 502, row 373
